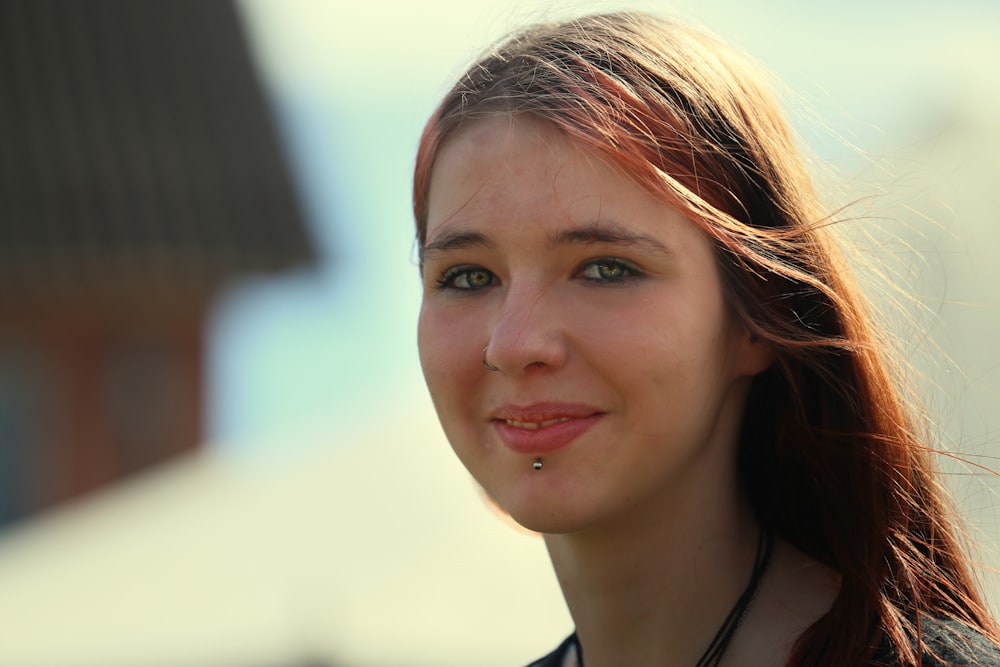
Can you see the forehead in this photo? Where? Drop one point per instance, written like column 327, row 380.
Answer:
column 521, row 182
column 515, row 162
column 503, row 140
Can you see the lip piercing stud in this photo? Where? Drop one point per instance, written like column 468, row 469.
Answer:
column 537, row 465
column 486, row 364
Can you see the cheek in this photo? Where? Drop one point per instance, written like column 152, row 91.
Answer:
column 432, row 346
column 452, row 367
column 425, row 337
column 448, row 352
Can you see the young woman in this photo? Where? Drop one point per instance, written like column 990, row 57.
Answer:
column 640, row 340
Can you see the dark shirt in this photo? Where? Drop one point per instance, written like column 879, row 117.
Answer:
column 949, row 643
column 556, row 658
column 946, row 644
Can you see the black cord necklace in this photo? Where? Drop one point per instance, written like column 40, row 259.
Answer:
column 713, row 654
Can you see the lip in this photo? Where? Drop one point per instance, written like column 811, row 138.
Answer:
column 542, row 428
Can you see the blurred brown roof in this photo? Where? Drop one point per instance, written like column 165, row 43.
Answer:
column 136, row 145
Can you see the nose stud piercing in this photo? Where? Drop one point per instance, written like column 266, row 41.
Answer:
column 537, row 465
column 486, row 364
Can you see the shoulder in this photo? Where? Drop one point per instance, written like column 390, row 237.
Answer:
column 564, row 656
column 952, row 643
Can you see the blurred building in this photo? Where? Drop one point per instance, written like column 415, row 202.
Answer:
column 139, row 172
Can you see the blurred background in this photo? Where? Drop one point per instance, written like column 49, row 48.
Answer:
column 215, row 443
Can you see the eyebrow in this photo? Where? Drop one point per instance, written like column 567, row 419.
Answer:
column 455, row 241
column 608, row 233
column 589, row 234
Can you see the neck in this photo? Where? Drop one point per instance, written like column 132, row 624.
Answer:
column 655, row 588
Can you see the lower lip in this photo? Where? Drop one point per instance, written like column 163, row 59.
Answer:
column 547, row 439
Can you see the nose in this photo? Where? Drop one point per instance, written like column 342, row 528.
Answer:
column 527, row 334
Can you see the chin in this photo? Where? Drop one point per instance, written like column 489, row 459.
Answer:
column 540, row 518
column 545, row 503
column 547, row 525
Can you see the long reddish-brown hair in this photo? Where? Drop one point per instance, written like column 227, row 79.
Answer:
column 832, row 456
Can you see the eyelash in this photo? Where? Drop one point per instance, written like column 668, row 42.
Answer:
column 450, row 277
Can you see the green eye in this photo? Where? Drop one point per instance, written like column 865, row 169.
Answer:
column 467, row 278
column 474, row 279
column 608, row 271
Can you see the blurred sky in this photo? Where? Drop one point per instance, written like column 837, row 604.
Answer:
column 309, row 357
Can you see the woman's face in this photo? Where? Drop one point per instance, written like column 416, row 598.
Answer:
column 619, row 365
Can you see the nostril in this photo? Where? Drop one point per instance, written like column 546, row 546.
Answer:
column 486, row 361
